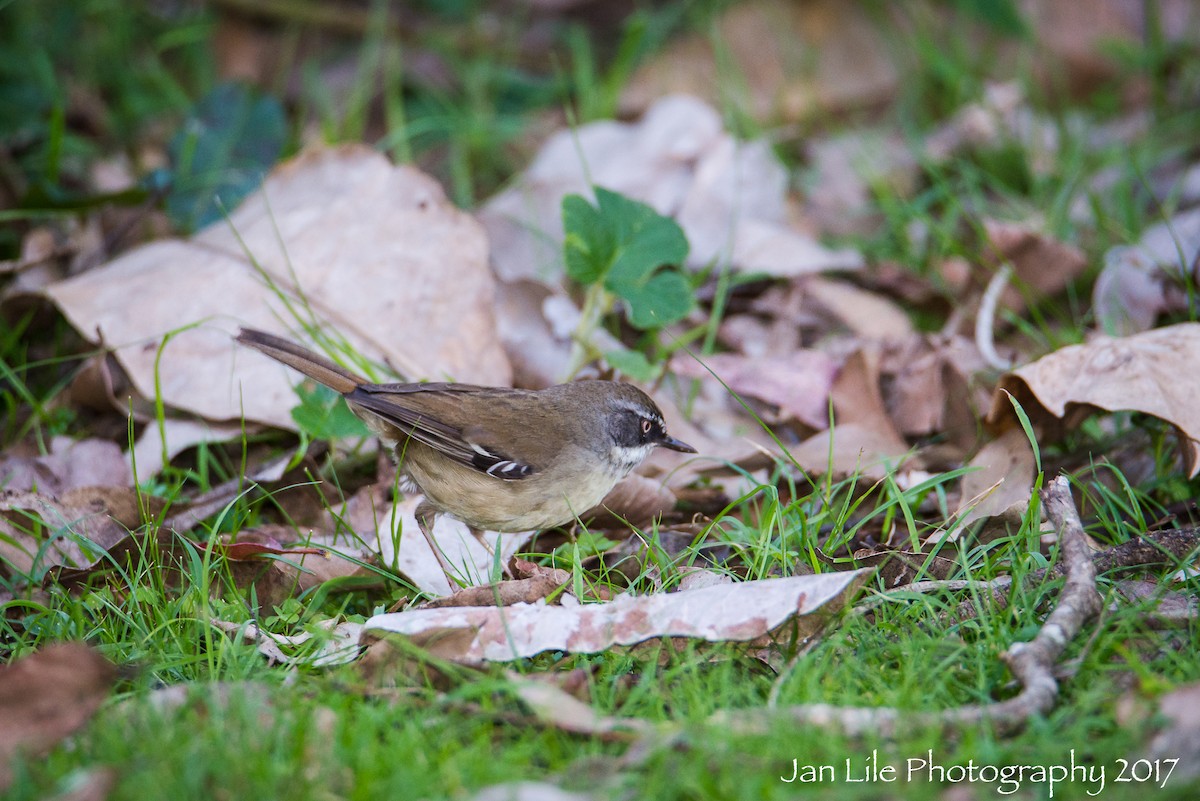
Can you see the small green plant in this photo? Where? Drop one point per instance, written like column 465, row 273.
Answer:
column 624, row 252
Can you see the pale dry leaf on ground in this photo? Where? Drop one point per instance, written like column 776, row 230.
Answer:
column 1139, row 282
column 751, row 611
column 934, row 385
column 796, row 384
column 864, row 313
column 90, row 784
column 376, row 252
column 70, row 464
column 729, row 197
column 39, row 532
column 1042, row 265
column 1163, row 607
column 999, row 484
column 695, row 578
column 845, row 61
column 159, row 443
column 1156, row 372
column 863, row 437
column 47, row 696
column 402, row 548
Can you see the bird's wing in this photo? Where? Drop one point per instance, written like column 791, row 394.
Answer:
column 402, row 406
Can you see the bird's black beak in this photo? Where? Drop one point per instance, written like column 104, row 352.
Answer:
column 676, row 445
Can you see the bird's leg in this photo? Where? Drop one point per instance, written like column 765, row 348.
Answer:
column 481, row 538
column 426, row 513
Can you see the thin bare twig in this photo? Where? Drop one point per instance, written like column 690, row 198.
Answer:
column 1030, row 662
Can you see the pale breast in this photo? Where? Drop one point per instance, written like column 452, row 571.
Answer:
column 487, row 503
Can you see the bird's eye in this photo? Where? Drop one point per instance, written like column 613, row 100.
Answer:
column 646, row 426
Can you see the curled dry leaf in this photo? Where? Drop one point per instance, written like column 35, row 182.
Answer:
column 373, row 251
column 1156, row 372
column 536, row 586
column 934, row 389
column 1139, row 282
column 744, row 612
column 75, row 529
column 1043, row 266
column 999, row 484
column 46, row 696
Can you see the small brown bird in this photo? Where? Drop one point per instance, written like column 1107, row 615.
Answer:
column 496, row 458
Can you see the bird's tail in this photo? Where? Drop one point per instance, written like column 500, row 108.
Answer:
column 313, row 365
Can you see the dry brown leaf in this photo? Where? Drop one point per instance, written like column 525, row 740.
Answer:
column 934, row 389
column 47, row 696
column 999, row 485
column 798, row 383
column 529, row 590
column 318, row 558
column 80, row 525
column 897, row 568
column 1043, row 266
column 375, row 251
column 866, row 314
column 846, row 62
column 1156, row 372
column 634, row 501
column 1076, row 41
column 743, row 612
column 70, row 464
column 850, row 448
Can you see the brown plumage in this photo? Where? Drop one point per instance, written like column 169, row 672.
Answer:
column 497, row 458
